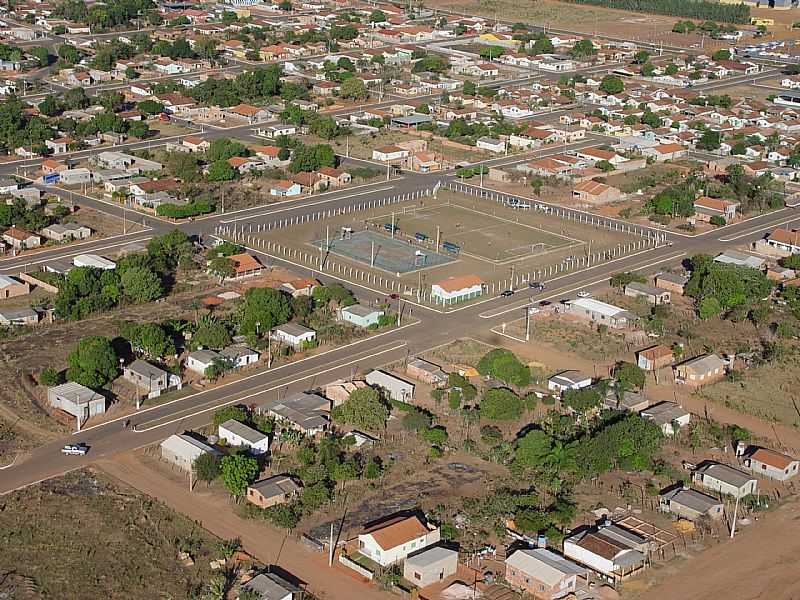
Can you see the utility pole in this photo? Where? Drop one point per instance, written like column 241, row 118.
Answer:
column 392, row 224
column 398, row 310
column 512, row 278
column 527, row 324
column 269, row 349
column 735, row 512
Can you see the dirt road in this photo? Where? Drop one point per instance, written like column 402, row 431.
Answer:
column 261, row 541
column 760, row 563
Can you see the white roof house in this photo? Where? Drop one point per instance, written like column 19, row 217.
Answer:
column 239, row 434
column 740, row 259
column 182, row 450
column 395, row 388
column 568, row 380
column 95, row 261
column 294, row 334
column 600, row 312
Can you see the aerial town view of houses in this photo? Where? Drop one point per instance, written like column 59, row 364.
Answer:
column 437, row 299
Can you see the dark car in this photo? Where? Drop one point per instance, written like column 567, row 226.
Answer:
column 545, row 303
column 507, row 293
column 536, row 285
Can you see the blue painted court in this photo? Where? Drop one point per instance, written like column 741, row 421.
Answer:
column 393, row 255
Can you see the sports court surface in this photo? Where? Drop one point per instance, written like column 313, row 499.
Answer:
column 477, row 234
column 394, row 255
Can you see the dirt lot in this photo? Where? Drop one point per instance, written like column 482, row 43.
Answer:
column 83, row 536
column 592, row 21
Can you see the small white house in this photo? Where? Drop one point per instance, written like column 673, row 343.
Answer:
column 182, row 450
column 768, row 463
column 294, row 334
column 669, row 416
column 360, row 315
column 568, row 380
column 235, row 433
column 724, row 479
column 393, row 540
column 491, row 144
column 94, row 261
column 199, row 360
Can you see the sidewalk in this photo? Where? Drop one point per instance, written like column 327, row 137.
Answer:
column 259, row 539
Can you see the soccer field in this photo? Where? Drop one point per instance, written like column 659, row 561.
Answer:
column 476, row 234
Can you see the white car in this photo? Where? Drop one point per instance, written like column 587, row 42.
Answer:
column 584, row 294
column 75, row 449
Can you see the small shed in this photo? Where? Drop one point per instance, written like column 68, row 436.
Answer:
column 430, row 565
column 426, row 372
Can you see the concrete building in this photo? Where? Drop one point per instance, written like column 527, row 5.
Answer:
column 235, row 433
column 653, row 295
column 568, row 380
column 393, row 540
column 12, row 288
column 768, row 463
column 149, row 379
column 456, row 289
column 182, row 450
column 360, row 315
column 294, row 335
column 672, row 282
column 278, row 489
column 690, row 504
column 740, row 259
column 654, row 357
column 724, row 479
column 21, row 239
column 200, row 360
column 700, row 371
column 393, row 387
column 599, row 312
column 94, row 261
column 77, row 400
column 430, row 566
column 542, row 573
column 426, row 372
column 19, row 317
column 271, row 586
column 612, row 552
column 307, row 413
column 669, row 416
column 68, row 231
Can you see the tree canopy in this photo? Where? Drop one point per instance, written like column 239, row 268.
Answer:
column 93, row 362
column 502, row 364
column 364, row 408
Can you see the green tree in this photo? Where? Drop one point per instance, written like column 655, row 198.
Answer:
column 501, row 404
column 364, row 408
column 709, row 307
column 354, row 89
column 151, row 339
column 262, row 309
column 211, row 333
column 470, row 89
column 721, row 54
column 503, row 365
column 582, row 400
column 435, row 436
column 583, row 49
column 50, row 377
column 641, row 57
column 238, row 471
column 221, row 170
column 206, row 467
column 69, row 54
column 710, row 140
column 282, row 515
column 611, row 84
column 150, row 107
column 227, row 413
column 629, row 376
column 49, row 106
column 377, row 16
column 222, row 267
column 93, row 362
column 140, row 284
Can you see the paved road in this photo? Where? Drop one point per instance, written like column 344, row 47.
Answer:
column 424, row 329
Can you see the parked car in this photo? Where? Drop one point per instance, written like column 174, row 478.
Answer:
column 75, row 449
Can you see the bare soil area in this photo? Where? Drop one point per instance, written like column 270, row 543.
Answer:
column 81, row 536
